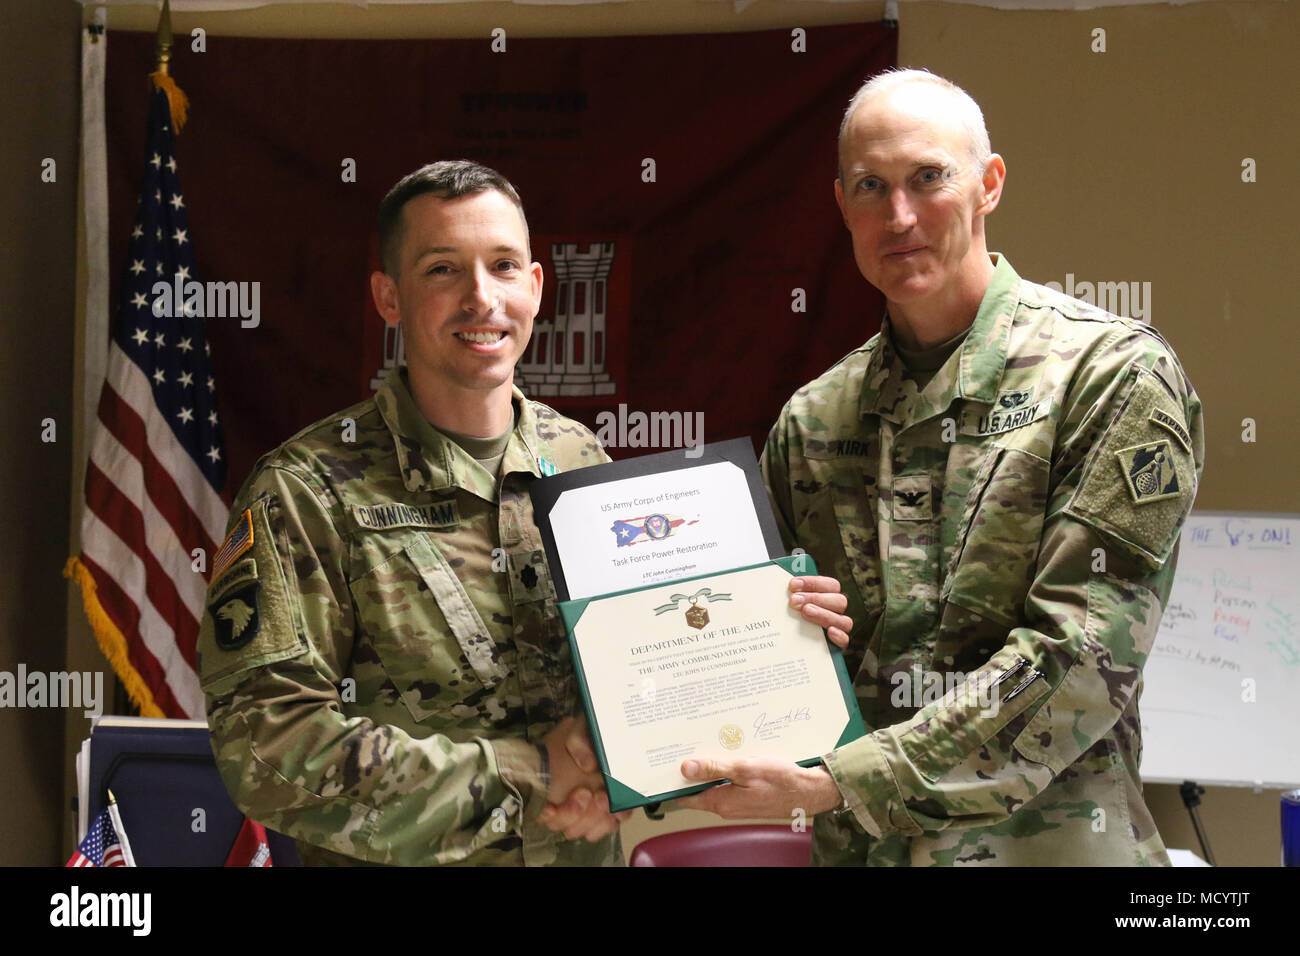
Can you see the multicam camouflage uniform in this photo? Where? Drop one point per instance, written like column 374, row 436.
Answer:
column 376, row 687
column 1016, row 519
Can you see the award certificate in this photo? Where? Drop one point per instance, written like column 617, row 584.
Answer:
column 717, row 664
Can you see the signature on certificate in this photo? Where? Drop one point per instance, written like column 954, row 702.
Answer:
column 764, row 725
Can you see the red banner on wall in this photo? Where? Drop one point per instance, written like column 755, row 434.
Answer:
column 678, row 189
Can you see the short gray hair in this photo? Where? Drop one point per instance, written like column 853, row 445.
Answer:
column 969, row 116
column 447, row 179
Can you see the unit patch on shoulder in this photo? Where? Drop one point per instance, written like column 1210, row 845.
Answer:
column 1139, row 480
column 1150, row 472
column 395, row 514
column 234, row 616
column 237, row 542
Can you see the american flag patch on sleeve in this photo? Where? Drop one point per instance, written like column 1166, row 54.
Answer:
column 237, row 542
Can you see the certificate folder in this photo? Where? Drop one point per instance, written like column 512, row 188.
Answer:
column 693, row 694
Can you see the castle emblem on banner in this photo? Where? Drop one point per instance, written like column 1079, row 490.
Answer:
column 567, row 354
column 394, row 355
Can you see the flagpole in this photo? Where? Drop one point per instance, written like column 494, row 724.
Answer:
column 127, row 856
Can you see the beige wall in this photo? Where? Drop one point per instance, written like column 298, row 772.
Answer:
column 1126, row 165
column 39, row 95
column 1123, row 165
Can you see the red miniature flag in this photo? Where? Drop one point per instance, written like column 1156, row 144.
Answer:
column 251, row 846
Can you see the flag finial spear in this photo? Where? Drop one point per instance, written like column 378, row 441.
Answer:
column 178, row 103
column 163, row 47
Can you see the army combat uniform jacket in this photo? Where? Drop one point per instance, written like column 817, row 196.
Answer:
column 381, row 652
column 1006, row 537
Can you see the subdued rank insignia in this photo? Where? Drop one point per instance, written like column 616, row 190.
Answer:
column 234, row 617
column 696, row 616
column 1150, row 472
column 912, row 498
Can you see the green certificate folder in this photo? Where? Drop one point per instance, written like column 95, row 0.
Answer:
column 712, row 665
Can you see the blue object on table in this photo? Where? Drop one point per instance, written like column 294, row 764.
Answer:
column 161, row 772
column 1291, row 828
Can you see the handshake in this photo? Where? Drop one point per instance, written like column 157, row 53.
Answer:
column 578, row 806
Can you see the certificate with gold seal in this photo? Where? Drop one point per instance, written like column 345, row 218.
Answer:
column 714, row 664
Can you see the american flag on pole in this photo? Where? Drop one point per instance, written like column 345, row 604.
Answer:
column 105, row 842
column 157, row 461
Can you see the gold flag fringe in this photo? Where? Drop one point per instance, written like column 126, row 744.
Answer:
column 176, row 99
column 110, row 639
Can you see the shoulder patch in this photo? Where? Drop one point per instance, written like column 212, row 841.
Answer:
column 1150, row 471
column 235, row 619
column 1139, row 480
column 251, row 617
column 237, row 542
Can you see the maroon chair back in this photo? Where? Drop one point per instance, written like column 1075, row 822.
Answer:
column 748, row 845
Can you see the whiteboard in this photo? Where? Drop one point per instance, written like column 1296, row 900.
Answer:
column 1233, row 618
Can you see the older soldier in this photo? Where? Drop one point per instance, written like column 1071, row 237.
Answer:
column 387, row 677
column 1001, row 474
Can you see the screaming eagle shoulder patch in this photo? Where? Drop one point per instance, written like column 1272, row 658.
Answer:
column 234, row 616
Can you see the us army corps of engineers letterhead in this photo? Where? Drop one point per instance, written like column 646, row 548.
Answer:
column 650, row 520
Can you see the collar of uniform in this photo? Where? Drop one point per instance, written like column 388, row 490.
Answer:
column 432, row 462
column 525, row 445
column 984, row 353
column 423, row 455
column 980, row 360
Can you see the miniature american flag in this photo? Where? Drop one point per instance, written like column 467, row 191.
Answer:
column 100, row 846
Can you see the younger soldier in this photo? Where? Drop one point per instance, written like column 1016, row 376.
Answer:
column 387, row 677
